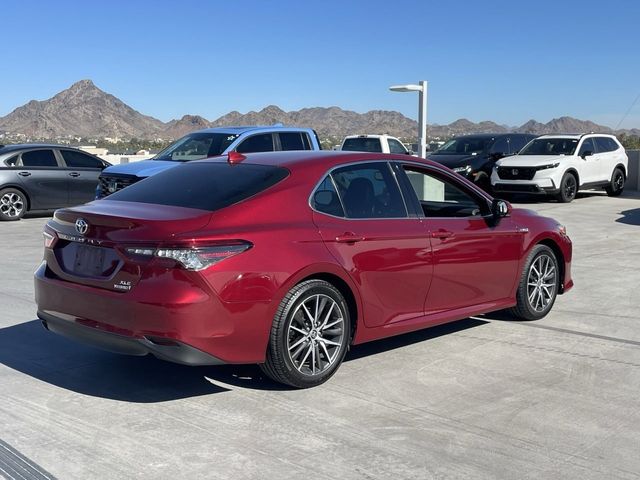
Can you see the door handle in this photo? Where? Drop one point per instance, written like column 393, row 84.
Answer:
column 442, row 234
column 74, row 174
column 348, row 237
column 24, row 174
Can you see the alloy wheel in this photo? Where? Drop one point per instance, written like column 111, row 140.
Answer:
column 11, row 205
column 570, row 187
column 618, row 181
column 541, row 283
column 315, row 334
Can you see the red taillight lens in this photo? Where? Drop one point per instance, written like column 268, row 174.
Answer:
column 49, row 239
column 194, row 258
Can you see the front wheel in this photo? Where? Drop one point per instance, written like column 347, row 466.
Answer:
column 538, row 286
column 13, row 204
column 616, row 186
column 309, row 336
column 568, row 188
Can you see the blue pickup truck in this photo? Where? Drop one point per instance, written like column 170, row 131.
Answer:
column 208, row 143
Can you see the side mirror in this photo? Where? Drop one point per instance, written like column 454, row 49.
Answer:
column 586, row 153
column 500, row 208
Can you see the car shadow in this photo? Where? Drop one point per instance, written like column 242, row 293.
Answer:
column 630, row 217
column 34, row 351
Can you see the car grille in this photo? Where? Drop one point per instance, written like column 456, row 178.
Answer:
column 112, row 183
column 516, row 173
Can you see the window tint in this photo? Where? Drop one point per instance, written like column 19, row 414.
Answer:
column 257, row 143
column 606, row 144
column 441, row 197
column 396, row 147
column 75, row 159
column 325, row 199
column 369, row 191
column 291, row 141
column 500, row 146
column 39, row 158
column 587, row 146
column 197, row 146
column 12, row 161
column 551, row 146
column 516, row 143
column 206, row 186
column 362, row 144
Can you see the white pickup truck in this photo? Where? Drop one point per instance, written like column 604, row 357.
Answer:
column 373, row 143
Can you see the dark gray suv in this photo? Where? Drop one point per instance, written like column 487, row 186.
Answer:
column 45, row 177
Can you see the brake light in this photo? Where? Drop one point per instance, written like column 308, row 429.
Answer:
column 196, row 258
column 49, row 239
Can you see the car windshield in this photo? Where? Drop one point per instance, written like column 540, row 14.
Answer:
column 550, row 146
column 197, row 146
column 465, row 146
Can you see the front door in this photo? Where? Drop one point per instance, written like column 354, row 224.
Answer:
column 476, row 259
column 364, row 223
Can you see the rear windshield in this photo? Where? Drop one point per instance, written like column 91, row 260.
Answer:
column 202, row 185
column 362, row 144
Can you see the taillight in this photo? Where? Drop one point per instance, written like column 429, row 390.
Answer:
column 195, row 258
column 49, row 239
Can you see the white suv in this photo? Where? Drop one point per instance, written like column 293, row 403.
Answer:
column 373, row 143
column 561, row 165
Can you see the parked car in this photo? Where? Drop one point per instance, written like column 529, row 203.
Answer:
column 208, row 143
column 560, row 165
column 45, row 177
column 373, row 144
column 286, row 259
column 473, row 156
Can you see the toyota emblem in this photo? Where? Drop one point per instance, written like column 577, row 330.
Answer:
column 82, row 226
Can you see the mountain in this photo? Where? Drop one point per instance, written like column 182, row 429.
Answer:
column 86, row 111
column 83, row 110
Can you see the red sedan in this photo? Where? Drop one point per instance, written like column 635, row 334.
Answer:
column 286, row 259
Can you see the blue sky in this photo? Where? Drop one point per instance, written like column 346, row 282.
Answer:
column 497, row 60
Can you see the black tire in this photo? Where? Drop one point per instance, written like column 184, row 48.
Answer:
column 616, row 186
column 282, row 364
column 527, row 299
column 568, row 188
column 13, row 204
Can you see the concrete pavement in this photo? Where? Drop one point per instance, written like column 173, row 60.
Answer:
column 481, row 398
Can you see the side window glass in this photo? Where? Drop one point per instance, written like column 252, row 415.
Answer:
column 603, row 144
column 306, row 141
column 80, row 160
column 291, row 141
column 396, row 147
column 257, row 143
column 441, row 197
column 587, row 146
column 39, row 158
column 325, row 199
column 500, row 146
column 612, row 144
column 12, row 161
column 369, row 191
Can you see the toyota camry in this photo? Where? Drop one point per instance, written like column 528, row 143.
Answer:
column 286, row 259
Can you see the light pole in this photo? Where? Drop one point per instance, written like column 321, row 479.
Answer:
column 421, row 88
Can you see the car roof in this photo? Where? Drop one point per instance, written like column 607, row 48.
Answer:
column 16, row 147
column 493, row 135
column 310, row 158
column 575, row 135
column 239, row 130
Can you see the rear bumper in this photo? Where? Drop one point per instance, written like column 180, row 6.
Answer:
column 172, row 351
column 166, row 316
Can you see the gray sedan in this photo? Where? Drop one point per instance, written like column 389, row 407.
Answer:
column 44, row 177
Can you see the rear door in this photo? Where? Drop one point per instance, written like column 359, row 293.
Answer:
column 83, row 171
column 475, row 260
column 293, row 141
column 364, row 223
column 45, row 182
column 608, row 158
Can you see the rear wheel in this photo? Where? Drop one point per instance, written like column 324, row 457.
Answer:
column 568, row 188
column 538, row 286
column 13, row 204
column 309, row 336
column 616, row 187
